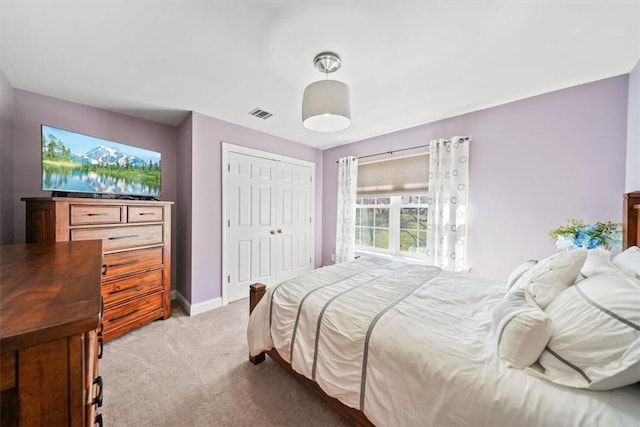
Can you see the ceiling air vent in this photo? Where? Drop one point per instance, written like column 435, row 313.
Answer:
column 261, row 114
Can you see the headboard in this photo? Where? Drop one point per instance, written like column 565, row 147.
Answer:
column 631, row 220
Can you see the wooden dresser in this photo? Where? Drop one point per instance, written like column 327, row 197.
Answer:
column 136, row 240
column 50, row 312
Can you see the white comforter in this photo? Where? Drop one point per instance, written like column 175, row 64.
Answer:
column 411, row 345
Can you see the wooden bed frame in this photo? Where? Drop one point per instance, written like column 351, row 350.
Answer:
column 630, row 237
column 356, row 417
column 631, row 220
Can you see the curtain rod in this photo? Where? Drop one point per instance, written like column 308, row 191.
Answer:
column 389, row 152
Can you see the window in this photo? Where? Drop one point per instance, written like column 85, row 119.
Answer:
column 413, row 224
column 372, row 222
column 391, row 209
column 392, row 224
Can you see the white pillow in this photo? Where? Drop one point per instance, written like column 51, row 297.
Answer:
column 519, row 271
column 522, row 330
column 545, row 280
column 598, row 262
column 595, row 334
column 628, row 260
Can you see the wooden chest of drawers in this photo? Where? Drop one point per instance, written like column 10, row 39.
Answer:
column 136, row 242
column 50, row 314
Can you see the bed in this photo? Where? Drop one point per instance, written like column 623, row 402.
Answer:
column 417, row 348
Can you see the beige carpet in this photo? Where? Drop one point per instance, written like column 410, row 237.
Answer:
column 194, row 371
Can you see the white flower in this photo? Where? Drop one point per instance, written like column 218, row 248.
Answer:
column 564, row 241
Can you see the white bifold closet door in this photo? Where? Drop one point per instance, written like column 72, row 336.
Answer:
column 269, row 222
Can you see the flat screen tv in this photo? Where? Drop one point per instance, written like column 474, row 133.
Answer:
column 80, row 165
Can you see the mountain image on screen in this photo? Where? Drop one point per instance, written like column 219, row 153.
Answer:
column 74, row 162
column 111, row 156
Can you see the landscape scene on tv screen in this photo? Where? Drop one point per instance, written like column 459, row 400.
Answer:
column 73, row 162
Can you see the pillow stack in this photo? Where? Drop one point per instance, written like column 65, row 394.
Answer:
column 521, row 327
column 595, row 334
column 578, row 314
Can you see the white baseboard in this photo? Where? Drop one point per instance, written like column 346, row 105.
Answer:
column 198, row 308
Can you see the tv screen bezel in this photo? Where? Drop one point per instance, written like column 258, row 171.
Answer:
column 90, row 193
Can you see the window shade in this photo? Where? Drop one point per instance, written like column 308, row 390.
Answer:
column 396, row 176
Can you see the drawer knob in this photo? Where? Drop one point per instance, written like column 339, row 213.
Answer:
column 128, row 288
column 125, row 263
column 124, row 237
column 131, row 313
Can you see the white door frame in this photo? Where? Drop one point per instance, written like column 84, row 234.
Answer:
column 228, row 148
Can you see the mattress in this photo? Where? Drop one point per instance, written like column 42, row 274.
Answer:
column 411, row 345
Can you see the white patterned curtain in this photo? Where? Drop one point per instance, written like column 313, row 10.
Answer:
column 448, row 194
column 346, row 220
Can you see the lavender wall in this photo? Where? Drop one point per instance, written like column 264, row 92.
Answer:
column 206, row 208
column 193, row 149
column 32, row 110
column 534, row 163
column 633, row 131
column 183, row 267
column 6, row 161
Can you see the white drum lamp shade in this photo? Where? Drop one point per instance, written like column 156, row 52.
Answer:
column 326, row 106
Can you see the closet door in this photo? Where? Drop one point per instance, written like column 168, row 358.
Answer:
column 293, row 247
column 268, row 219
column 251, row 203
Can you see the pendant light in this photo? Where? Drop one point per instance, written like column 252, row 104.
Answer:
column 326, row 105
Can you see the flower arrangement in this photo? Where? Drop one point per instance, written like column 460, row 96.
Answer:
column 577, row 234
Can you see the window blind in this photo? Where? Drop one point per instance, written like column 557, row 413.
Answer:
column 404, row 175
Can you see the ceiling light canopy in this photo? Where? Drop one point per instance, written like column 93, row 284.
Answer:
column 326, row 105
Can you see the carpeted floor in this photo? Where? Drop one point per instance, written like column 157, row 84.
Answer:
column 194, row 371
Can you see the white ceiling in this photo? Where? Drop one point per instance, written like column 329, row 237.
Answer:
column 407, row 61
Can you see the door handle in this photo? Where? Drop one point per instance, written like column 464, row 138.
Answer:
column 273, row 231
column 279, row 231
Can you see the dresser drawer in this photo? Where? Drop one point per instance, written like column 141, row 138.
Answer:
column 121, row 237
column 121, row 263
column 90, row 214
column 145, row 213
column 121, row 318
column 139, row 284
